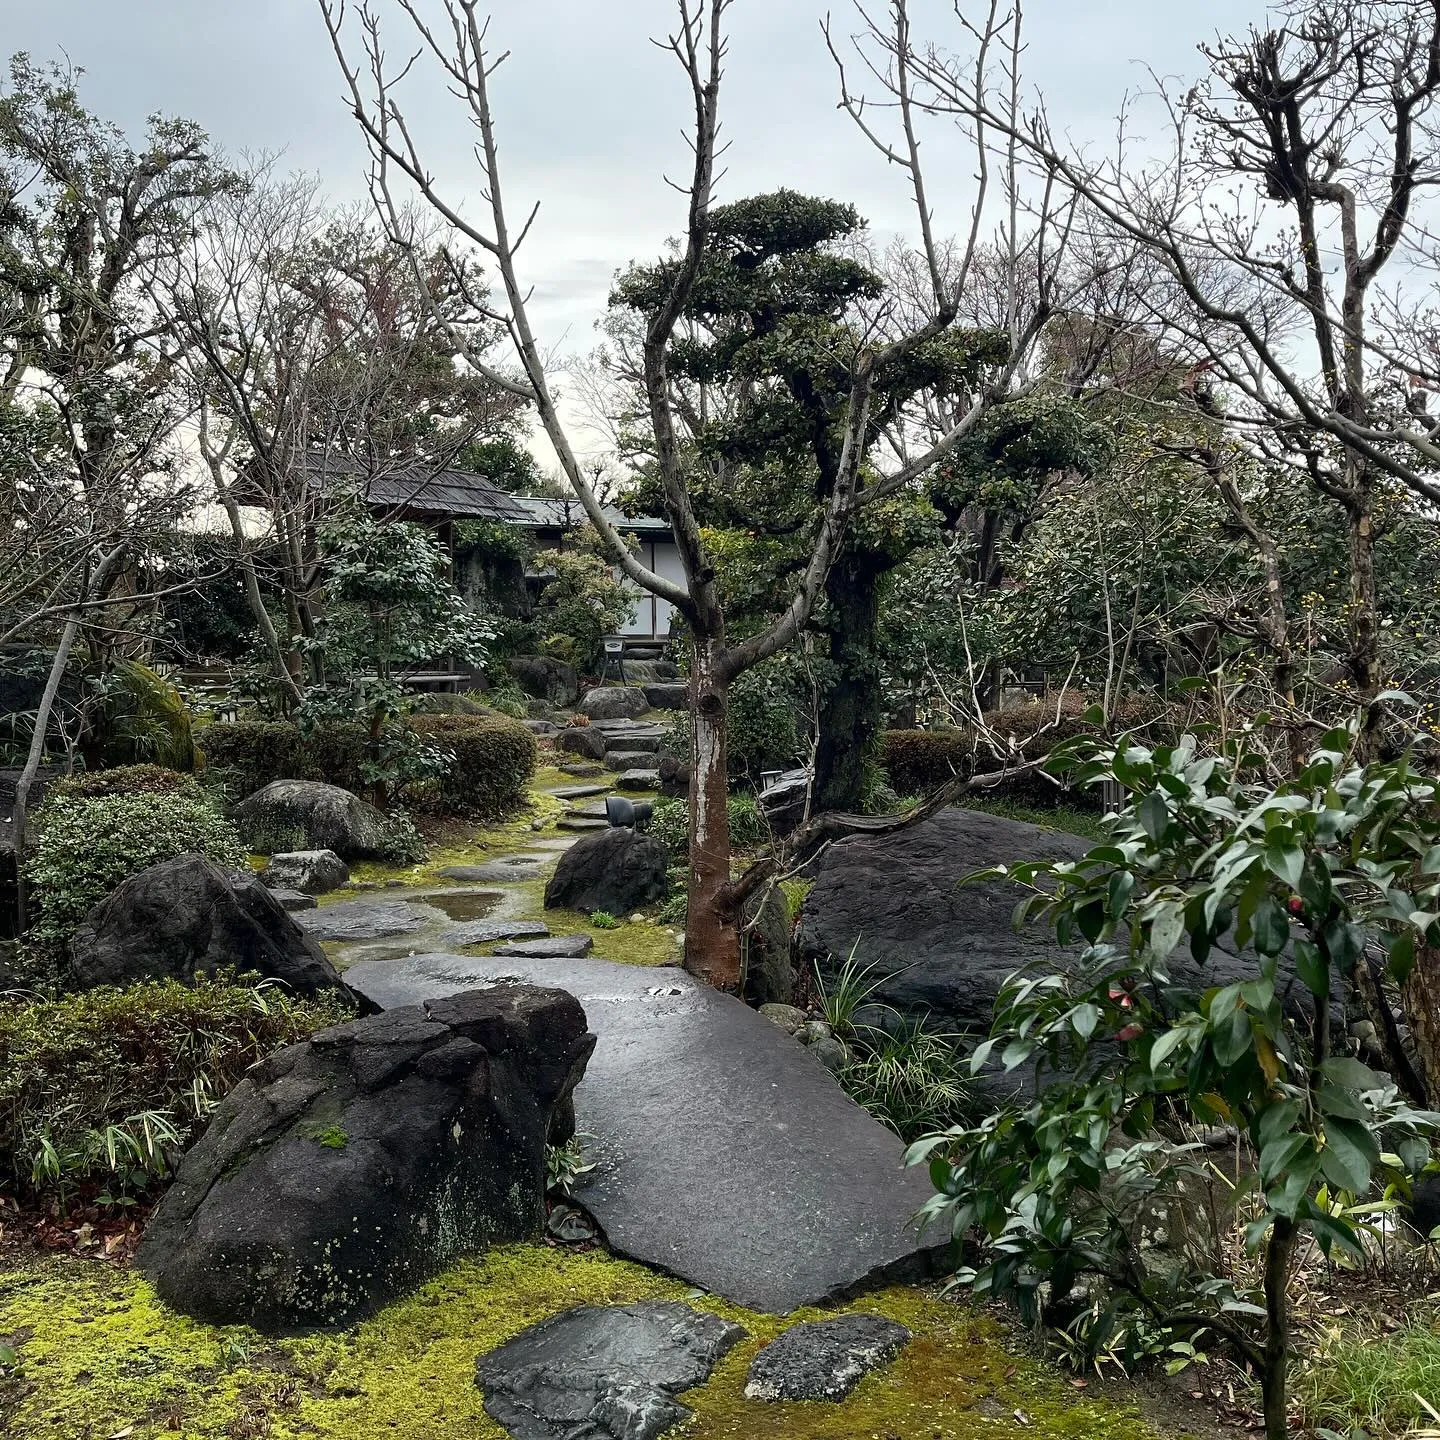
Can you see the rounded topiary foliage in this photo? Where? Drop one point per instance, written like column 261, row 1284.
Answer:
column 127, row 780
column 491, row 760
column 87, row 844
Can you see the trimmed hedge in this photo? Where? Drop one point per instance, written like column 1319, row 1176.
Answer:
column 921, row 760
column 492, row 760
column 126, row 780
column 246, row 755
column 90, row 1082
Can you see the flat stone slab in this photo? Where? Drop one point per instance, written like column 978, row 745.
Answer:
column 525, row 866
column 482, row 932
column 579, row 792
column 724, row 1152
column 557, row 947
column 582, row 769
column 581, row 822
column 639, row 779
column 367, row 919
column 607, row 1372
column 824, row 1359
column 628, row 759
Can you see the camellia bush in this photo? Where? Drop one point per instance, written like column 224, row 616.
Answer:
column 1071, row 1190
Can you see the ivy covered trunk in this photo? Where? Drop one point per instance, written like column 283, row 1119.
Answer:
column 851, row 710
column 712, row 934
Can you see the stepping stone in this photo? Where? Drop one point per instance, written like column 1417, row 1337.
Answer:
column 524, row 866
column 367, row 919
column 579, row 792
column 589, row 812
column 724, row 1152
column 581, row 822
column 582, row 769
column 606, row 1371
column 627, row 759
column 482, row 932
column 824, row 1359
column 639, row 779
column 542, row 728
column 557, row 947
column 293, row 900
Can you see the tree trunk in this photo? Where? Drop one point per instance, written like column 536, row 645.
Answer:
column 712, row 932
column 1421, row 995
column 1363, row 660
column 1277, row 1327
column 851, row 711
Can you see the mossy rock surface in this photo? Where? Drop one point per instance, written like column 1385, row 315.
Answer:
column 100, row 1356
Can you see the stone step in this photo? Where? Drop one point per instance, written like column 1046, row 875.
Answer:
column 628, row 759
column 580, row 822
column 557, row 947
column 638, row 779
column 579, row 792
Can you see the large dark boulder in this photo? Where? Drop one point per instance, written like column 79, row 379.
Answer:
column 944, row 949
column 344, row 1170
column 317, row 816
column 583, row 740
column 614, row 870
column 614, row 702
column 543, row 678
column 186, row 917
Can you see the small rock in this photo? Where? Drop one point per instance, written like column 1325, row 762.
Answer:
column 313, row 871
column 788, row 1017
column 814, row 1031
column 824, row 1359
column 558, row 947
column 674, row 696
column 616, row 702
column 571, row 1226
column 639, row 780
column 831, row 1053
column 583, row 740
column 607, row 1372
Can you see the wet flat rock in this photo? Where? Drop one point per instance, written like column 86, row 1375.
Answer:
column 367, row 919
column 557, row 947
column 724, row 1153
column 824, row 1359
column 603, row 1372
column 505, row 867
column 482, row 932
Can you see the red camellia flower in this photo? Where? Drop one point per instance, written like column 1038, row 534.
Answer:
column 1296, row 904
column 1129, row 1032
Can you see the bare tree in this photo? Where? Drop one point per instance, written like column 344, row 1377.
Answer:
column 1312, row 140
column 464, row 56
column 316, row 358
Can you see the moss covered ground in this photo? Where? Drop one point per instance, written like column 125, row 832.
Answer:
column 97, row 1355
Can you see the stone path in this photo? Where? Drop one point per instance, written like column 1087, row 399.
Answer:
column 724, row 1153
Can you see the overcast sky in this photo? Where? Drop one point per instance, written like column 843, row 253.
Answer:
column 589, row 112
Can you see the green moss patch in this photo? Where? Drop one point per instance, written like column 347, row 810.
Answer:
column 98, row 1354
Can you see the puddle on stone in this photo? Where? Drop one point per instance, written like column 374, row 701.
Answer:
column 463, row 904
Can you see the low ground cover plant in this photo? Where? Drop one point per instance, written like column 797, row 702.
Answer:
column 105, row 1088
